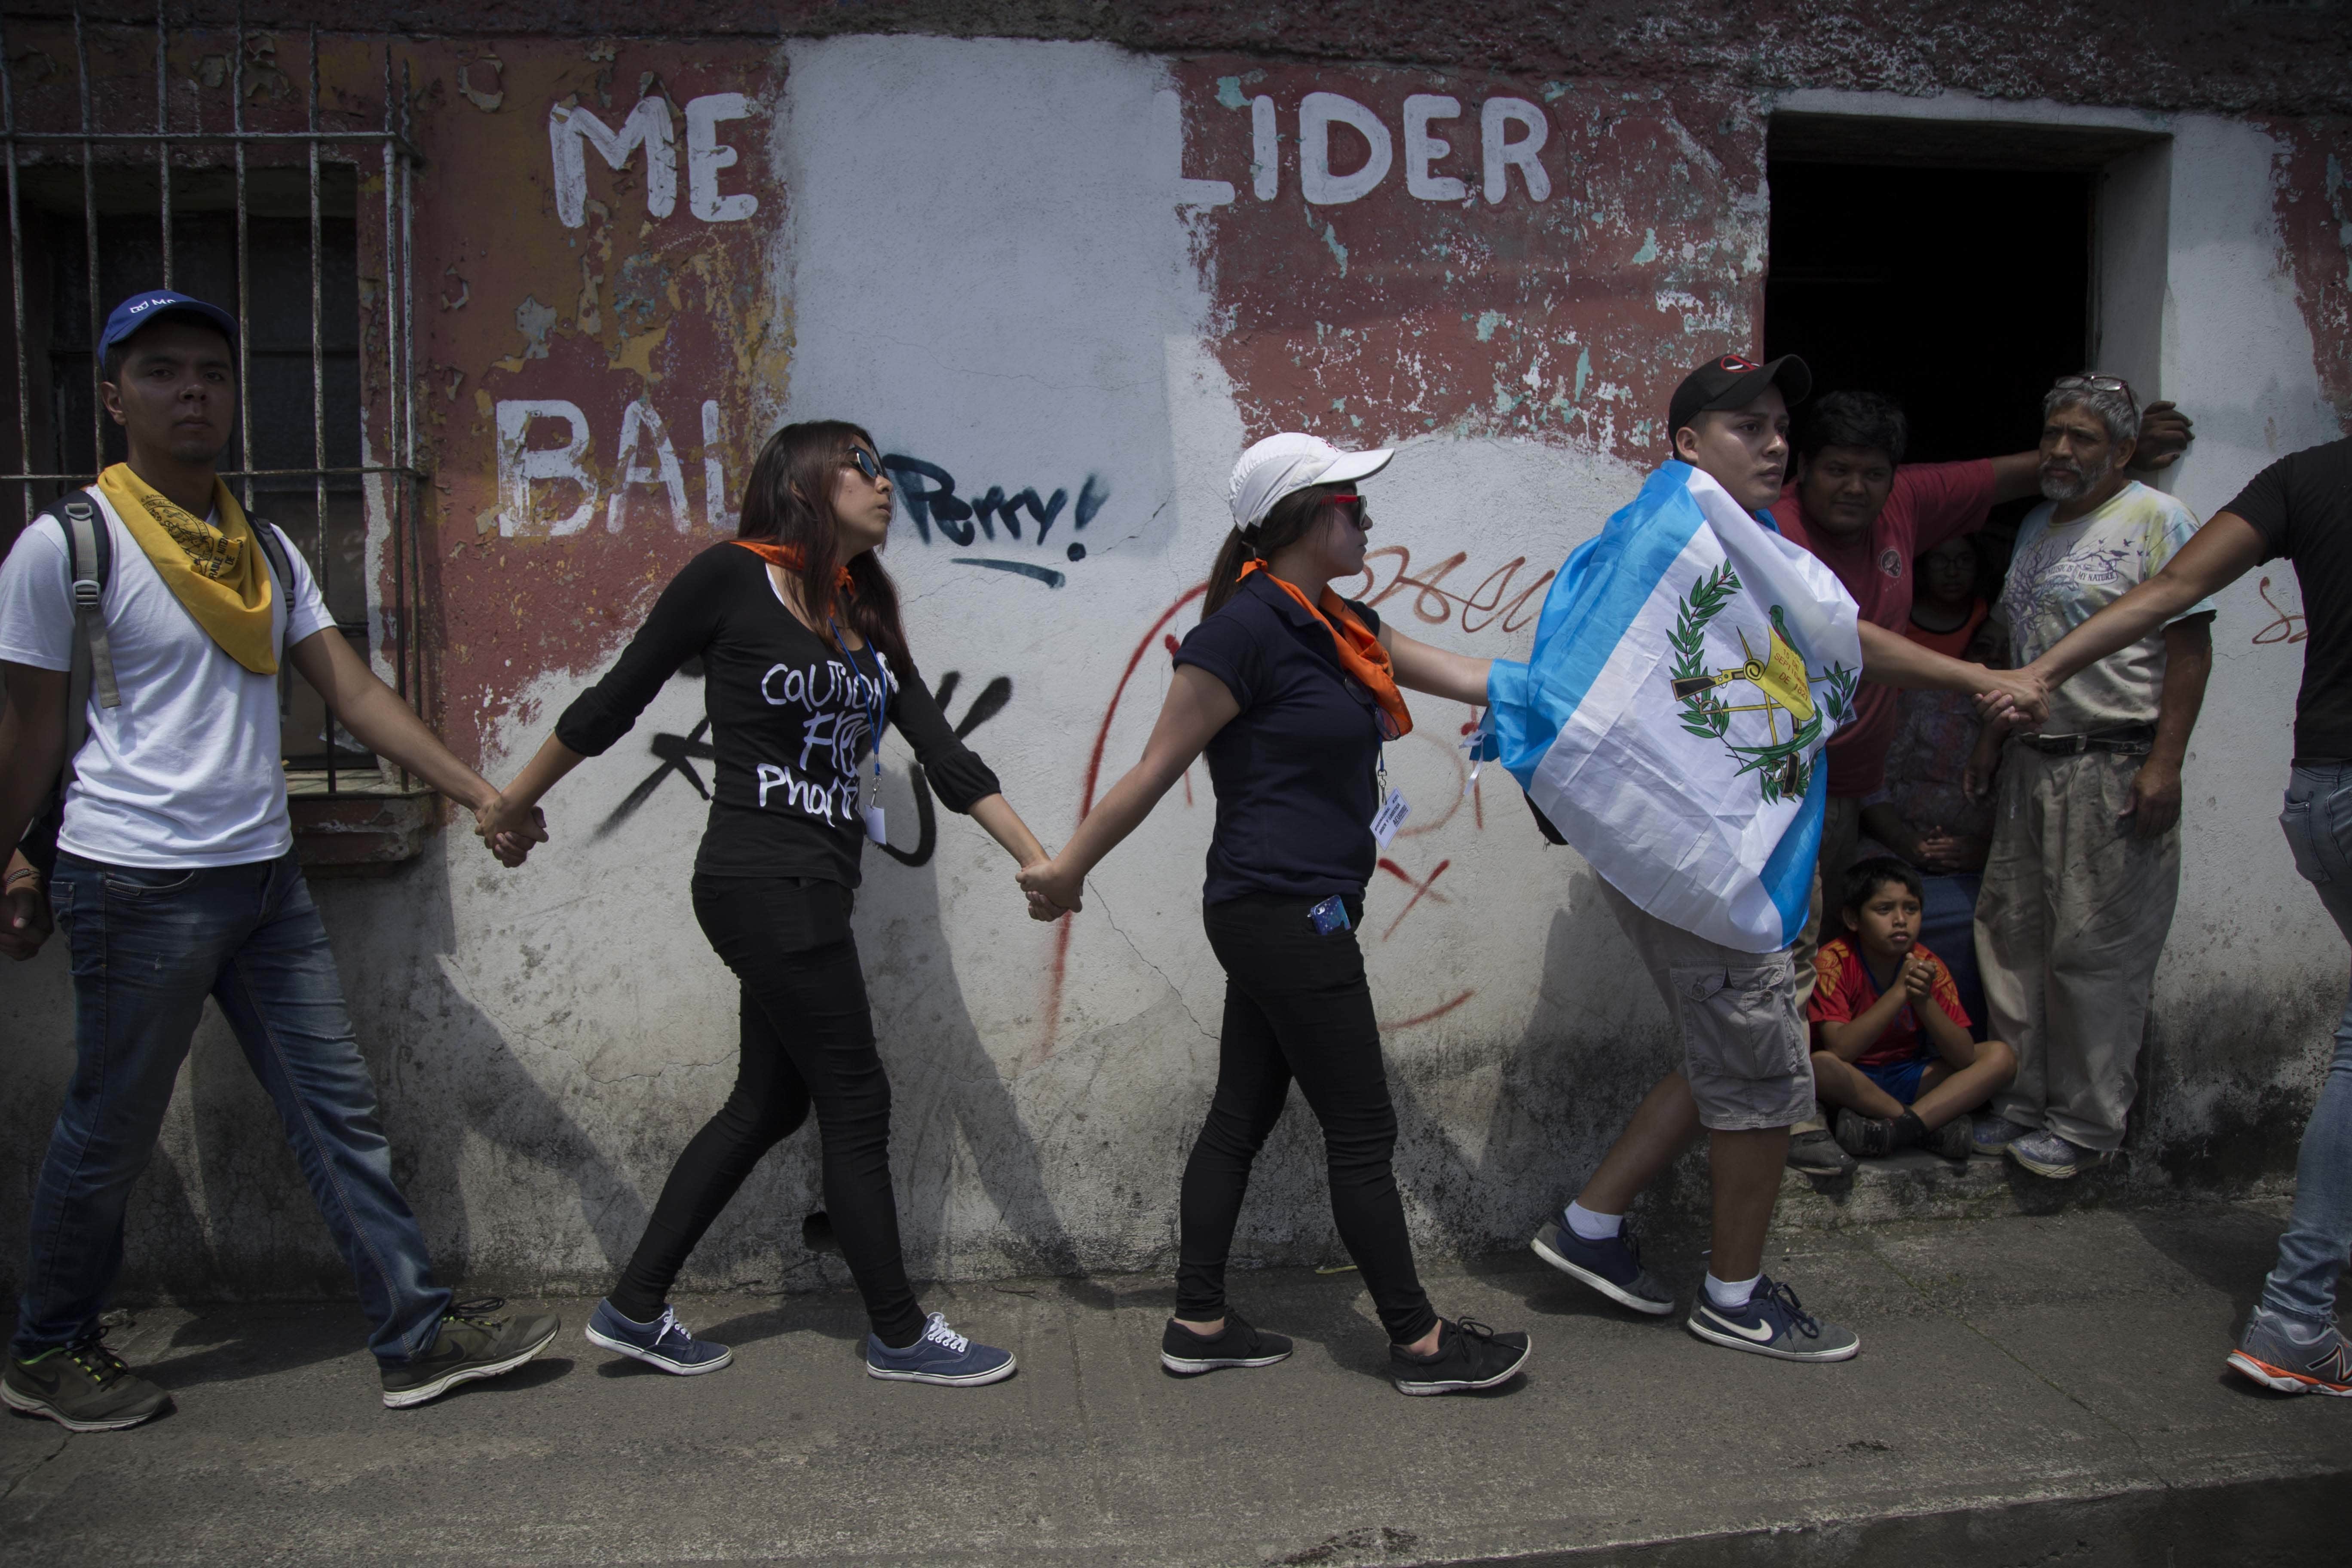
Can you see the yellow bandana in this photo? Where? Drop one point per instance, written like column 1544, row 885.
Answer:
column 217, row 573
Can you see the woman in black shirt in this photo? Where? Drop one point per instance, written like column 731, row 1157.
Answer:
column 804, row 664
column 1291, row 691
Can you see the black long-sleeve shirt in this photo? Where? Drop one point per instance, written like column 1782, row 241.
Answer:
column 790, row 720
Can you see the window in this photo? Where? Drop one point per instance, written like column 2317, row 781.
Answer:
column 302, row 234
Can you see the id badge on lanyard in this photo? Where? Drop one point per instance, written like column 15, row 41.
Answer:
column 869, row 799
column 1394, row 809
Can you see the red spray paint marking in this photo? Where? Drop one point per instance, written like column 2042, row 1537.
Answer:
column 1086, row 804
column 1437, row 1012
column 1418, row 889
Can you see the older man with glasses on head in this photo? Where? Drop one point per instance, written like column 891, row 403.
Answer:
column 2085, row 861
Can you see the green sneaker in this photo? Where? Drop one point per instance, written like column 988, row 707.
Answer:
column 82, row 1388
column 472, row 1343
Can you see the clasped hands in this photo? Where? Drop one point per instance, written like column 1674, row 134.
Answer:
column 510, row 829
column 1053, row 891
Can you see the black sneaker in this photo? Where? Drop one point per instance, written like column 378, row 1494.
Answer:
column 83, row 1388
column 1468, row 1355
column 1952, row 1141
column 472, row 1344
column 1816, row 1154
column 1187, row 1354
column 1868, row 1137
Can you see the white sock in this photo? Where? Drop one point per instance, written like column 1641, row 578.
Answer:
column 1591, row 1226
column 1730, row 1296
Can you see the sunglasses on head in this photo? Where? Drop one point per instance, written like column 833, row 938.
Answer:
column 2088, row 382
column 868, row 464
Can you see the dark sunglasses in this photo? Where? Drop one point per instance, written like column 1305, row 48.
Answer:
column 868, row 464
column 1351, row 505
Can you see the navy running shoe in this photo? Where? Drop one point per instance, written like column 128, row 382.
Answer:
column 941, row 1356
column 1773, row 1324
column 1611, row 1266
column 664, row 1342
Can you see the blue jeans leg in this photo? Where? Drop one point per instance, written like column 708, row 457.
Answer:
column 281, row 994
column 144, row 948
column 2312, row 1253
column 147, row 946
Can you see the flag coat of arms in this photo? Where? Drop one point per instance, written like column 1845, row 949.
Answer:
column 1689, row 667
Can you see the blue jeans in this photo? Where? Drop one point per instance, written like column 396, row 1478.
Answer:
column 148, row 947
column 2318, row 823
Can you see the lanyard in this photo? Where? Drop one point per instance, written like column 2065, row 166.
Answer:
column 874, row 702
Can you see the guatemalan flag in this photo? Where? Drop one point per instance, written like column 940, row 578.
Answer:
column 1689, row 667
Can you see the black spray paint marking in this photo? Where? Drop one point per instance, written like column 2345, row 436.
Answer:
column 1045, row 575
column 676, row 753
column 930, row 494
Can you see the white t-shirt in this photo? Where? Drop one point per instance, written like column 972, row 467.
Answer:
column 187, row 771
column 2060, row 577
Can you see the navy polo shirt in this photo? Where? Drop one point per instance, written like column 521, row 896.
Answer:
column 1296, row 771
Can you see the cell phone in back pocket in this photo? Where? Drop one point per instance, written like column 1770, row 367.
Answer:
column 1328, row 916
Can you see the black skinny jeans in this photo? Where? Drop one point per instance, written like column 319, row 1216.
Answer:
column 1297, row 1005
column 807, row 1039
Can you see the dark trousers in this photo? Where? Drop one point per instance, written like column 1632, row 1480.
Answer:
column 1297, row 1006
column 807, row 1040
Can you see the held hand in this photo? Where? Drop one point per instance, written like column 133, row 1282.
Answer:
column 2029, row 697
column 2164, row 433
column 23, row 921
column 510, row 829
column 2154, row 799
column 1058, row 886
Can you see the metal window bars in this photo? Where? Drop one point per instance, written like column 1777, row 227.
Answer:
column 387, row 477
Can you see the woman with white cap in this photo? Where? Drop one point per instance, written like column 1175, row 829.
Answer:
column 1291, row 691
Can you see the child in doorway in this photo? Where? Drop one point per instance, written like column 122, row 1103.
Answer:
column 1892, row 1047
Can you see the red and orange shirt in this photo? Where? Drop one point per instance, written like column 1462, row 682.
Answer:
column 1843, row 990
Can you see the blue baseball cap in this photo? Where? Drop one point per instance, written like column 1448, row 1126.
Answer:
column 144, row 310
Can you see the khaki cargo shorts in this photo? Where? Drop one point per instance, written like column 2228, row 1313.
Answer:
column 1745, row 1045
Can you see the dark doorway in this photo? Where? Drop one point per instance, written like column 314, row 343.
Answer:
column 1960, row 293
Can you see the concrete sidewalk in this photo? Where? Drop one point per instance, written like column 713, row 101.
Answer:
column 2029, row 1390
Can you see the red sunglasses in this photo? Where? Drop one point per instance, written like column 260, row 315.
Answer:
column 1352, row 505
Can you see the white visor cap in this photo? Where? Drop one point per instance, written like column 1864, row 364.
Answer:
column 1291, row 461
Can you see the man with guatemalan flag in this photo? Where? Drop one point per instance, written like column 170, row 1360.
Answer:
column 1689, row 667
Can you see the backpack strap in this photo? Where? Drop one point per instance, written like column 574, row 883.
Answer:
column 89, row 563
column 273, row 550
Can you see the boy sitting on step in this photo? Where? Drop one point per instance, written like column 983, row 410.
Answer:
column 1892, row 1045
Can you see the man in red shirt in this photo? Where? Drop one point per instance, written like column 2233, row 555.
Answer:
column 1854, row 503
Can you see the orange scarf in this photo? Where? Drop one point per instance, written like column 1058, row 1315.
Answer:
column 789, row 558
column 1359, row 650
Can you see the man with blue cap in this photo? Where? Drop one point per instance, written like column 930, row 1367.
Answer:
column 177, row 878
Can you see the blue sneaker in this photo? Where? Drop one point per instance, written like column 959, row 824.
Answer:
column 664, row 1342
column 1774, row 1324
column 941, row 1356
column 1991, row 1135
column 1612, row 1266
column 2046, row 1155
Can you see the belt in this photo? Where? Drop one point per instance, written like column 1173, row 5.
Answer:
column 2125, row 739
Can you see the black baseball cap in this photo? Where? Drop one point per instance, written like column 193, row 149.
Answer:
column 1734, row 382
column 146, row 307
